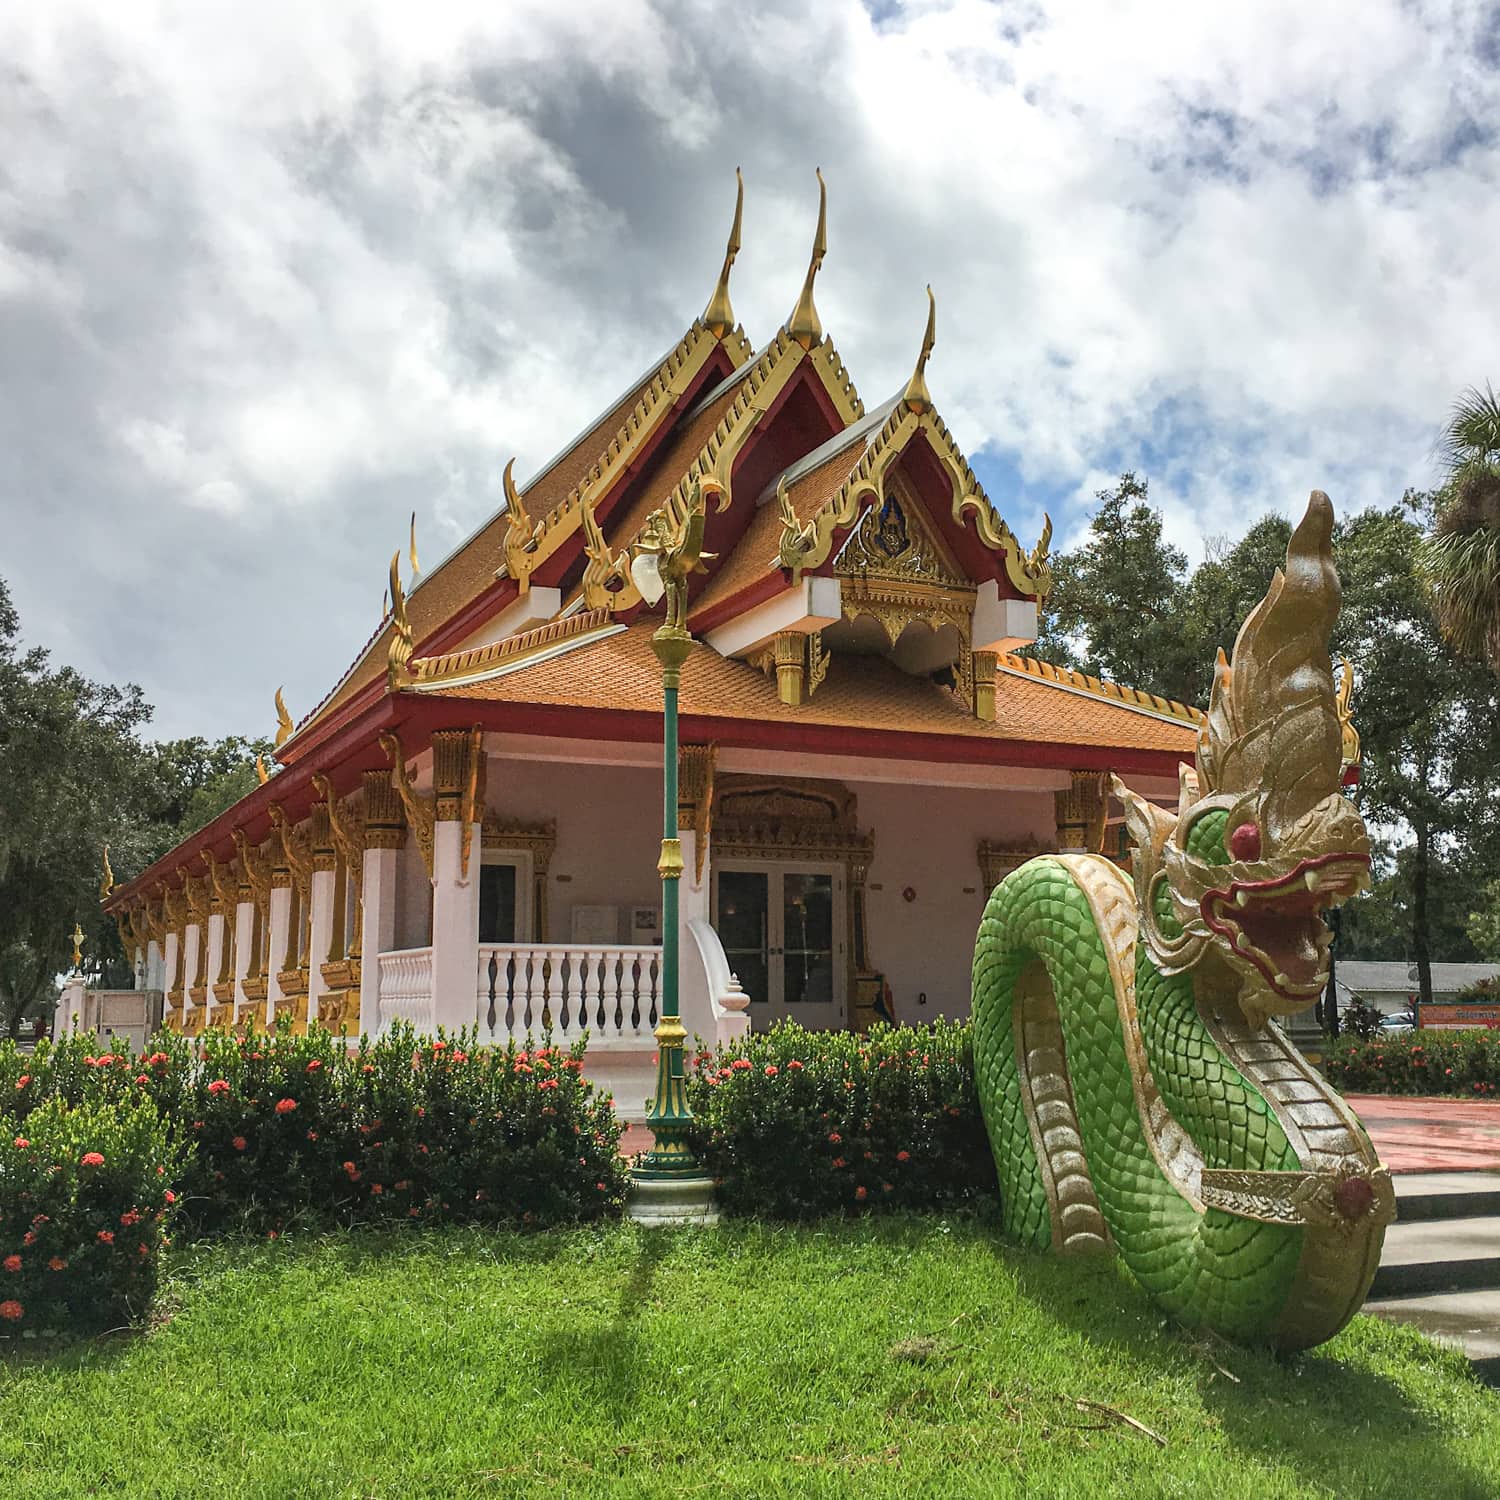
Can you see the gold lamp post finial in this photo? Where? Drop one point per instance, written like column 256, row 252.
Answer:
column 916, row 396
column 805, row 325
column 718, row 316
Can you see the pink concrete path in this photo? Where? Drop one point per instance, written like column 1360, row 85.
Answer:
column 1431, row 1135
column 1411, row 1134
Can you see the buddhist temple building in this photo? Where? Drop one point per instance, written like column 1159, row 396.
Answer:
column 465, row 831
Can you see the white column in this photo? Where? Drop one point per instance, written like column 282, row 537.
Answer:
column 281, row 923
column 694, row 997
column 455, row 927
column 190, row 941
column 379, row 934
column 172, row 963
column 215, row 950
column 244, row 936
column 320, row 934
column 154, row 966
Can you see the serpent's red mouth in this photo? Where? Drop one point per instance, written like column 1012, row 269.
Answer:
column 1277, row 925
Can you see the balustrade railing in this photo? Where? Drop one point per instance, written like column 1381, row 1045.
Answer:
column 406, row 987
column 611, row 991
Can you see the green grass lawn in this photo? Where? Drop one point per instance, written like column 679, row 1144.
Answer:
column 906, row 1358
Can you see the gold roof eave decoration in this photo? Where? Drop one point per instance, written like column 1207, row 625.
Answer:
column 531, row 541
column 284, row 725
column 805, row 545
column 1135, row 699
column 718, row 316
column 804, row 326
column 916, row 397
column 399, row 652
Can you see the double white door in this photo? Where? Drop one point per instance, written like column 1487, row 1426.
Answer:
column 784, row 929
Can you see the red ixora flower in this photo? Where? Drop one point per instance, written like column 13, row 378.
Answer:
column 285, row 1106
column 157, row 1059
column 57, row 1263
column 839, row 1161
column 771, row 1070
column 861, row 1194
column 29, row 1238
column 130, row 1217
column 741, row 1065
column 171, row 1196
column 239, row 1143
column 903, row 1156
column 376, row 1187
column 547, row 1083
column 141, row 1078
column 11, row 1310
column 794, row 1066
column 834, row 1138
column 105, row 1237
column 12, row 1263
column 219, row 1086
column 315, row 1064
column 92, row 1159
column 23, row 1080
column 21, row 1143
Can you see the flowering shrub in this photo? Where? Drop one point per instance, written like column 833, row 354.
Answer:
column 795, row 1123
column 85, row 1195
column 285, row 1130
column 1417, row 1062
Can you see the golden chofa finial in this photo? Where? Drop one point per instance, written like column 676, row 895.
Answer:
column 262, row 775
column 805, row 325
column 718, row 316
column 412, row 550
column 107, row 877
column 284, row 725
column 916, row 395
column 400, row 650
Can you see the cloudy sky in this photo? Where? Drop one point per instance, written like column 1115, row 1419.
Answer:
column 273, row 276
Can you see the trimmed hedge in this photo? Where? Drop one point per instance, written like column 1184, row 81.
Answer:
column 275, row 1131
column 794, row 1124
column 85, row 1193
column 1465, row 1063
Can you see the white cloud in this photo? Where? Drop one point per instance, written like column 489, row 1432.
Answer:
column 272, row 277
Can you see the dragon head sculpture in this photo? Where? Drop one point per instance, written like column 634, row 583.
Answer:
column 1263, row 841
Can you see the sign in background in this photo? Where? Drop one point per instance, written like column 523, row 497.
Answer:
column 1457, row 1017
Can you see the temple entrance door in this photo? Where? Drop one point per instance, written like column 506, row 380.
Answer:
column 783, row 925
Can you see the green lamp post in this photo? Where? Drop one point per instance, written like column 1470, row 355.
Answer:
column 668, row 1185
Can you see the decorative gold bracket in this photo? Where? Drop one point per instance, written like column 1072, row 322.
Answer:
column 421, row 816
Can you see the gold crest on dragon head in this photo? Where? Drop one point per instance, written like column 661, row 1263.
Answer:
column 1264, row 841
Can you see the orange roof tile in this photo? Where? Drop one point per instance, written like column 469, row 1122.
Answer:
column 620, row 672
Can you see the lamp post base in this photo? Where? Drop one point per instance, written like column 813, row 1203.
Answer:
column 665, row 1201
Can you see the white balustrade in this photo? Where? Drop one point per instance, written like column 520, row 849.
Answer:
column 406, row 987
column 609, row 990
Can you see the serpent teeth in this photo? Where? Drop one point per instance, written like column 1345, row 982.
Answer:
column 1242, row 898
column 1312, row 879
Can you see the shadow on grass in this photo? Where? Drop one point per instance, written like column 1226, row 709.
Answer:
column 602, row 1365
column 1352, row 1431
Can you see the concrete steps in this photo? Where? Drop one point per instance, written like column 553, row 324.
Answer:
column 1440, row 1269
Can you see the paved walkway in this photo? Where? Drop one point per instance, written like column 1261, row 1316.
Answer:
column 1431, row 1135
column 1411, row 1135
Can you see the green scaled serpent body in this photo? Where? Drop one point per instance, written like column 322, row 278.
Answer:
column 1137, row 1095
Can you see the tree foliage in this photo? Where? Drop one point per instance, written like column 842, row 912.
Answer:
column 1460, row 561
column 75, row 774
column 1125, row 607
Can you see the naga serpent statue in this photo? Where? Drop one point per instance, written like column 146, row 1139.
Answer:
column 1137, row 1093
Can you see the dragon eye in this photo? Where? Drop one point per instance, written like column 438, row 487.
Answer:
column 1244, row 842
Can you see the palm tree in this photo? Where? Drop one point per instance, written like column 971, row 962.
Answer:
column 1461, row 559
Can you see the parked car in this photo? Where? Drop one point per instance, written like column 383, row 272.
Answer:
column 1401, row 1021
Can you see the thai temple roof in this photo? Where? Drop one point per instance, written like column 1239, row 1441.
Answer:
column 860, row 587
